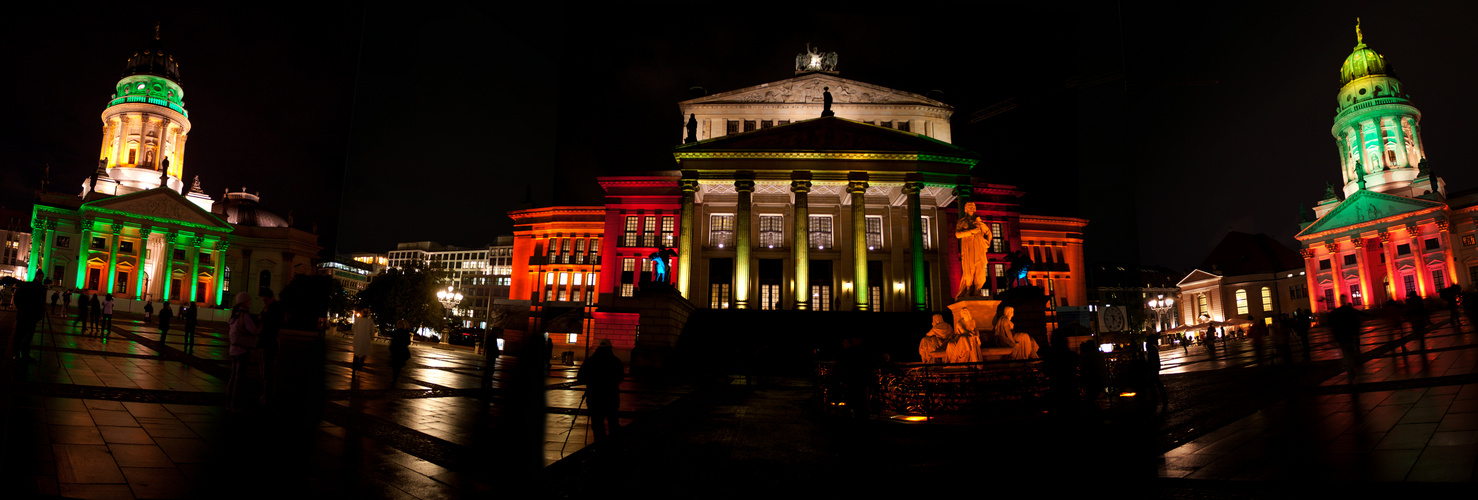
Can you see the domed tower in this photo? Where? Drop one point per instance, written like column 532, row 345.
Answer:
column 1376, row 127
column 145, row 124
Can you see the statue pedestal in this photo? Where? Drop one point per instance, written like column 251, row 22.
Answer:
column 983, row 310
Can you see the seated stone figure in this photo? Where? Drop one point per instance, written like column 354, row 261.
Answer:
column 1022, row 345
column 964, row 345
column 931, row 347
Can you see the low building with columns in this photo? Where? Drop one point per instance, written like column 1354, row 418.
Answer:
column 784, row 198
column 1397, row 231
column 138, row 233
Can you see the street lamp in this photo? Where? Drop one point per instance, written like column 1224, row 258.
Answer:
column 449, row 298
column 1161, row 305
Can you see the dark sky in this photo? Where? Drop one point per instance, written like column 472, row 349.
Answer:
column 386, row 124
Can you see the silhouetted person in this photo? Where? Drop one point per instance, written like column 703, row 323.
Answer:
column 272, row 318
column 400, row 349
column 108, row 313
column 81, row 312
column 242, row 334
column 95, row 312
column 1210, row 341
column 1344, row 324
column 1301, row 325
column 601, row 375
column 1416, row 314
column 190, row 315
column 1259, row 333
column 364, row 336
column 1451, row 296
column 165, row 314
column 30, row 309
column 148, row 310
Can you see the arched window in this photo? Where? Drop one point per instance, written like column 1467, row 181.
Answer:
column 1241, row 302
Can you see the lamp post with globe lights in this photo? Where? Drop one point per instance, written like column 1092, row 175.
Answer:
column 1161, row 305
column 449, row 299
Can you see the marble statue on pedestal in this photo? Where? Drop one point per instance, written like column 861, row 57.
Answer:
column 964, row 345
column 974, row 236
column 1022, row 345
column 932, row 344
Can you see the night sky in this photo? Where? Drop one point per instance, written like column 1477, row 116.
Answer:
column 385, row 124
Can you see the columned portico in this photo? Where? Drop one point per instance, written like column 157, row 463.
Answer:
column 801, row 254
column 742, row 246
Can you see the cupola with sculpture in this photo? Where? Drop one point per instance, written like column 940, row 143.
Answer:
column 1376, row 128
column 145, row 127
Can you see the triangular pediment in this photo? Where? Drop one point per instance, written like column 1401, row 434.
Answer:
column 1368, row 206
column 830, row 134
column 159, row 205
column 808, row 88
column 1196, row 276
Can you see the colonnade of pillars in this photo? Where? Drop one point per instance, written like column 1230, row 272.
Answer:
column 800, row 187
column 46, row 243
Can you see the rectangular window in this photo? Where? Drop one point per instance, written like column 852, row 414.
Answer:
column 549, row 278
column 721, row 230
column 904, row 126
column 633, row 225
column 783, row 122
column 1473, row 275
column 1432, row 244
column 1001, row 279
column 928, row 229
column 874, row 232
column 628, row 289
column 1439, row 280
column 564, row 279
column 1350, row 260
column 1329, row 298
column 564, row 295
column 819, row 228
column 997, row 238
column 1410, row 281
column 870, row 122
column 580, row 251
column 1267, row 299
column 594, row 250
column 1355, row 297
column 1403, row 249
column 669, row 230
column 875, row 298
column 749, row 125
column 577, row 295
column 888, row 124
column 821, row 297
column 767, row 123
column 1241, row 302
column 1324, row 264
column 564, row 252
column 649, row 232
column 179, row 254
column 718, row 296
column 628, row 264
column 733, row 127
column 578, row 278
column 772, row 231
column 125, row 247
column 100, row 243
column 769, row 297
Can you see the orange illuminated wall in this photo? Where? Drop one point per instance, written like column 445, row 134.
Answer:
column 572, row 232
column 644, row 197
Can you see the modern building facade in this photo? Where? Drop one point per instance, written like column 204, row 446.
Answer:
column 16, row 237
column 1397, row 231
column 479, row 274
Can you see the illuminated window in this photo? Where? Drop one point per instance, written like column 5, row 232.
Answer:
column 564, row 252
column 821, row 297
column 819, row 228
column 874, row 225
column 1355, row 297
column 123, row 247
column 928, row 229
column 669, row 230
column 594, row 250
column 1267, row 299
column 580, row 251
column 721, row 230
column 632, row 226
column 628, row 264
column 99, row 243
column 769, row 297
column 1202, row 307
column 549, row 278
column 1467, row 240
column 564, row 279
column 1439, row 280
column 718, row 296
column 649, row 234
column 578, row 277
column 875, row 298
column 628, row 289
column 997, row 238
column 1410, row 281
column 772, row 231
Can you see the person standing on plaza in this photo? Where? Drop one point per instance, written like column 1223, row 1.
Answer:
column 273, row 316
column 1344, row 323
column 166, row 314
column 1210, row 341
column 1301, row 326
column 30, row 310
column 1416, row 314
column 148, row 310
column 601, row 375
column 1259, row 333
column 108, row 314
column 242, row 334
column 81, row 312
column 364, row 335
column 66, row 301
column 95, row 312
column 189, row 313
column 400, row 349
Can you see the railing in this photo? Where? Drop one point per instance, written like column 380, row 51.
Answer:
column 148, row 100
column 932, row 389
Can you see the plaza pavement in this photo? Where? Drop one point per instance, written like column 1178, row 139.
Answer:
column 127, row 417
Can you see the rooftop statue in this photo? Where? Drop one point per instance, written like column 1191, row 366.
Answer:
column 812, row 60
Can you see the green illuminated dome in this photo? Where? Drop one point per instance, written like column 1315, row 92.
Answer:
column 1363, row 62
